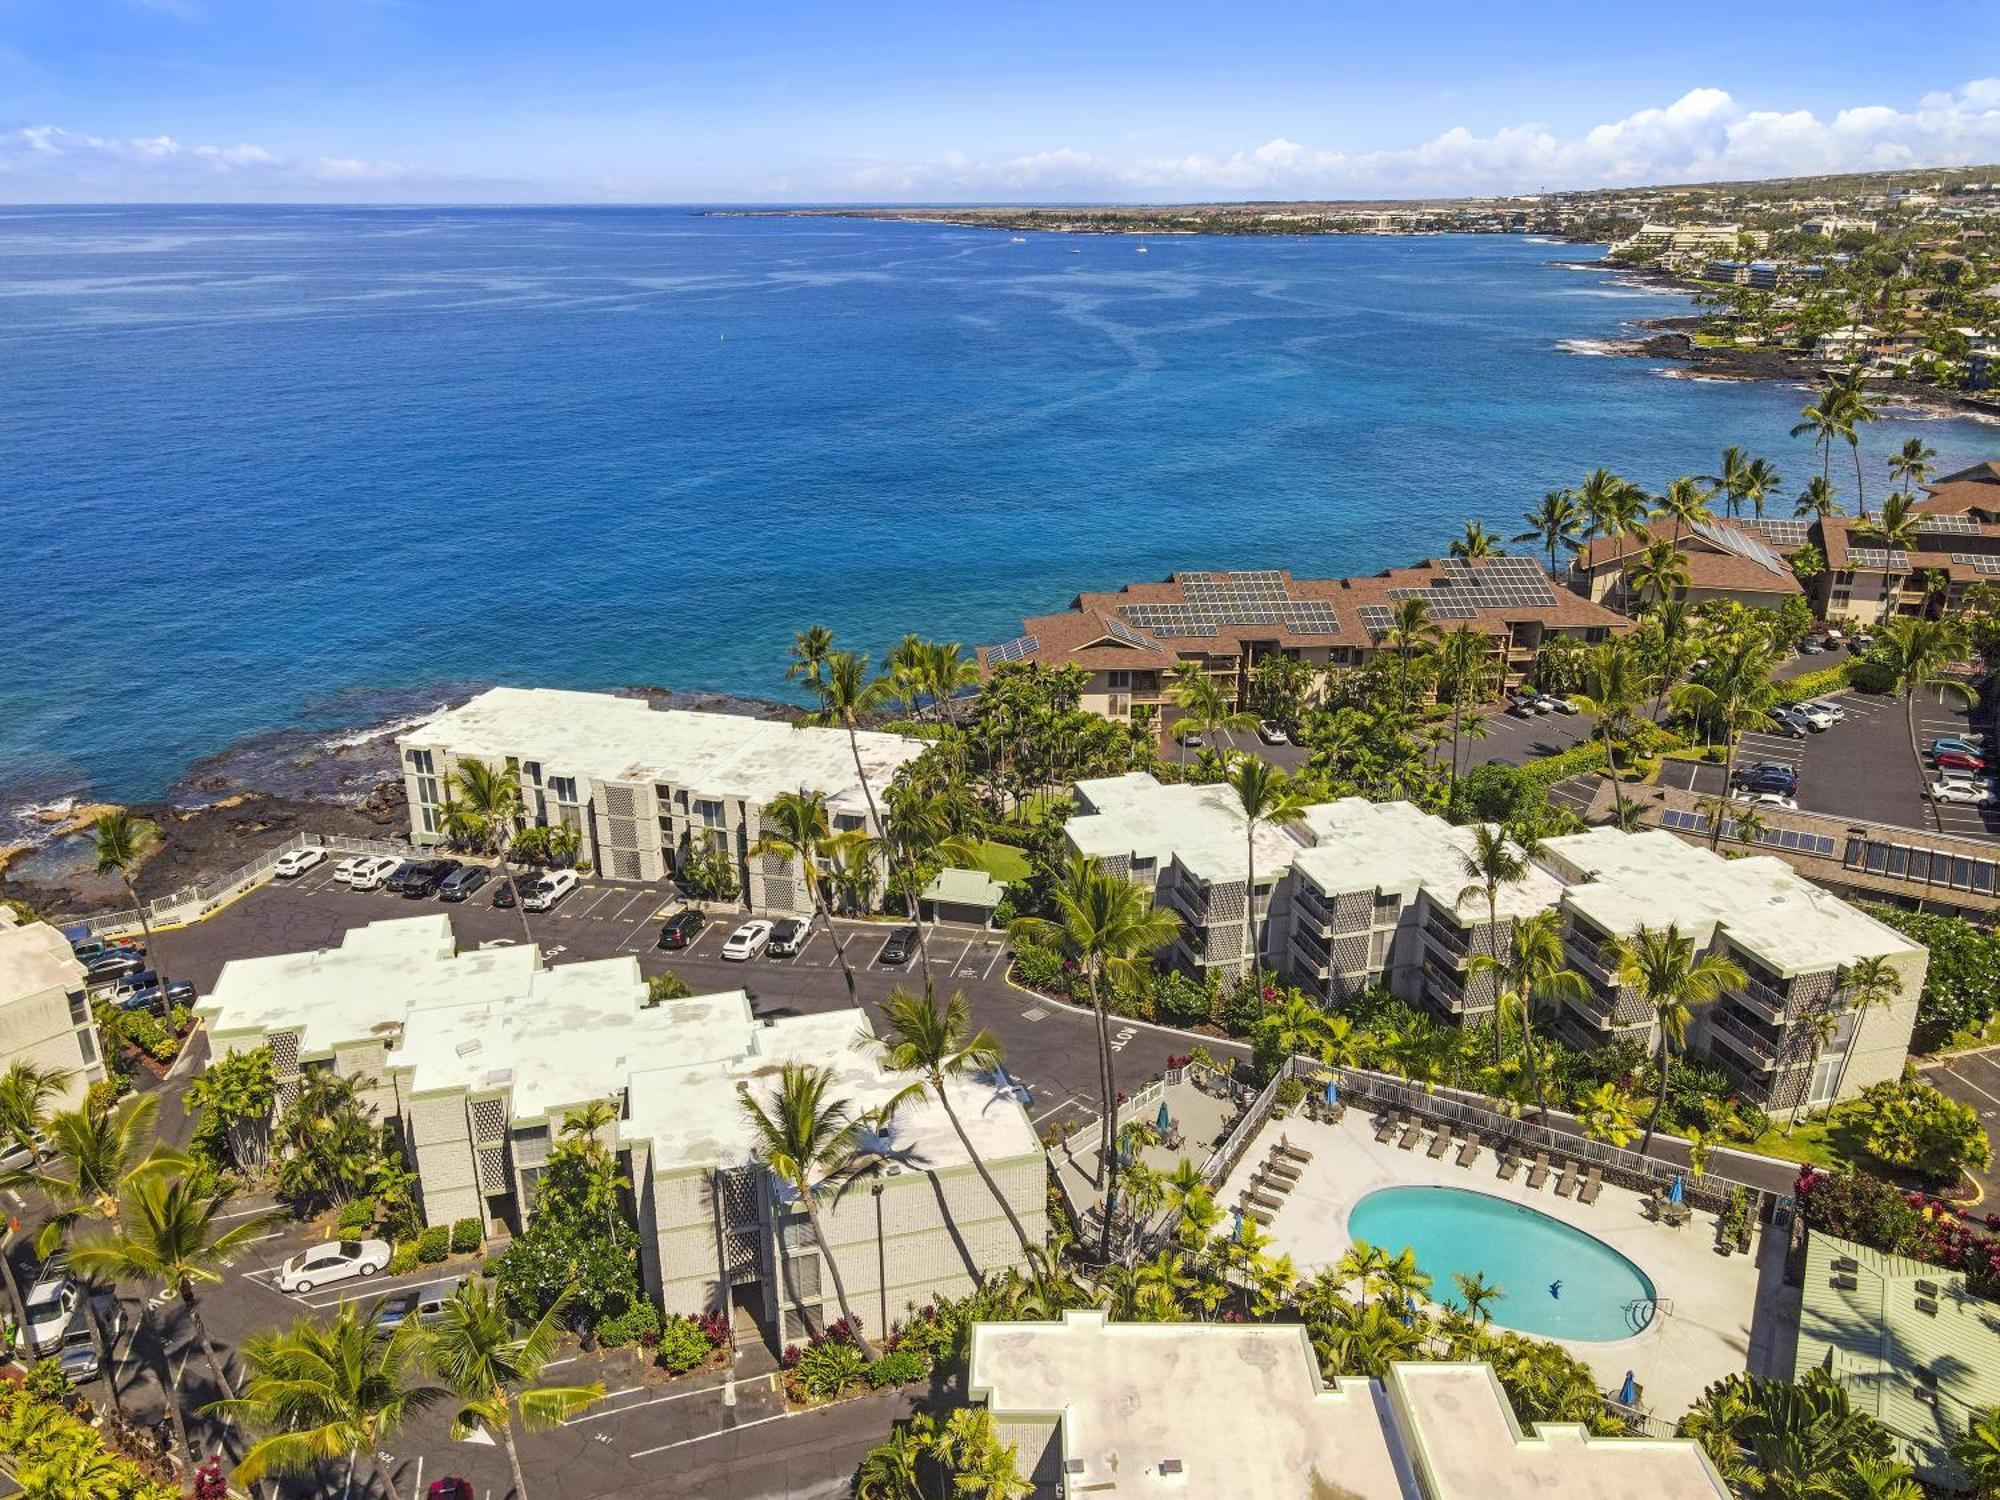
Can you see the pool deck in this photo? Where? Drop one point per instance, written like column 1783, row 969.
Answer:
column 1718, row 1313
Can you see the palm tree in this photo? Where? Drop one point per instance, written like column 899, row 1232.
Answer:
column 170, row 1235
column 847, row 695
column 1462, row 667
column 1264, row 794
column 1106, row 926
column 1661, row 965
column 1851, row 398
column 1478, row 1294
column 1867, row 983
column 1204, row 707
column 1817, row 499
column 1787, row 1440
column 1555, row 524
column 1659, row 570
column 1493, row 861
column 1410, row 631
column 941, row 1045
column 1919, row 653
column 1615, row 683
column 491, row 798
column 1670, row 632
column 1534, row 970
column 810, row 1140
column 1476, row 541
column 26, row 1092
column 1760, row 481
column 121, row 843
column 810, row 649
column 320, row 1392
column 1732, row 481
column 1686, row 501
column 796, row 829
column 1606, row 503
column 1825, row 422
column 490, row 1365
column 1738, row 695
column 1910, row 466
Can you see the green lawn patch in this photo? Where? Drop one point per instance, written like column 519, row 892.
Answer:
column 1003, row 862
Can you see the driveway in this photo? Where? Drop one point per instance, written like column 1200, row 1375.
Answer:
column 1974, row 1078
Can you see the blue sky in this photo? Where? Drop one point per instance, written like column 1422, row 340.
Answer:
column 598, row 100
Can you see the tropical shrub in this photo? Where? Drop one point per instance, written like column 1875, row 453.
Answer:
column 579, row 1237
column 52, row 1453
column 232, row 1101
column 1571, row 762
column 1291, row 1093
column 357, row 1215
column 46, row 1382
column 1817, row 684
column 708, row 875
column 638, row 1324
column 898, row 1367
column 1914, row 1126
column 1860, row 1207
column 1179, row 1000
column 433, row 1245
column 466, row 1236
column 1039, row 968
column 1502, row 794
column 1962, row 984
column 825, row 1368
column 403, row 1259
column 688, row 1343
column 664, row 987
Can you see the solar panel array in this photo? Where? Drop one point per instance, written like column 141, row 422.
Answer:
column 1979, row 562
column 1020, row 647
column 1465, row 588
column 1960, row 523
column 1444, row 603
column 1118, row 630
column 1375, row 619
column 1928, row 866
column 1211, row 601
column 1771, row 838
column 1878, row 557
column 1782, row 533
column 1743, row 544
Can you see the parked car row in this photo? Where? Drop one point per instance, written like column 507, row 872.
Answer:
column 1960, row 772
column 115, row 972
column 1527, row 703
column 1797, row 720
column 780, row 937
column 451, row 880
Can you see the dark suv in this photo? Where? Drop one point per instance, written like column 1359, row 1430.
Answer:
column 463, row 881
column 902, row 943
column 425, row 879
column 681, row 929
column 1768, row 777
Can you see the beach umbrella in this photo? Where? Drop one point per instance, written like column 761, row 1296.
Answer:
column 1164, row 1121
column 1676, row 1189
column 1236, row 1229
column 1333, row 1091
column 1628, row 1393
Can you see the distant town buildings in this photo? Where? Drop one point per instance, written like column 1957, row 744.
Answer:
column 44, row 1016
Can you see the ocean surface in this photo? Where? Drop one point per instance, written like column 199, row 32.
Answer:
column 291, row 470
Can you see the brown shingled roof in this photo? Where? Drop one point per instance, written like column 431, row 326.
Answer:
column 1710, row 565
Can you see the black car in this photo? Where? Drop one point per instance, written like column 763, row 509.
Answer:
column 113, row 966
column 508, row 893
column 902, row 943
column 463, row 881
column 681, row 929
column 400, row 877
column 425, row 879
column 150, row 997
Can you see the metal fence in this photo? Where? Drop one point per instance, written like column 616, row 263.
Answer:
column 1224, row 1158
column 193, row 902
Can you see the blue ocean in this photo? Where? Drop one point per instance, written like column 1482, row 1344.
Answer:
column 268, row 467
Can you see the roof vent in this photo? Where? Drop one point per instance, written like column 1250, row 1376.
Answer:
column 467, row 1048
column 1927, row 1305
column 1927, row 1288
column 1072, row 1466
column 1170, row 1466
column 1846, row 1263
column 1845, row 1283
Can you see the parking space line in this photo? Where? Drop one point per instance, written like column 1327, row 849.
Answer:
column 637, row 896
column 998, row 953
column 1971, row 1085
column 705, row 1436
column 596, row 1416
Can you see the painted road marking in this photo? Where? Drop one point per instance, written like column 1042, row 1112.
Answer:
column 707, row 1390
column 998, row 953
column 719, row 1432
column 1124, row 1035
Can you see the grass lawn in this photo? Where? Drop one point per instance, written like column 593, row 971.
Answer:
column 1823, row 1143
column 1003, row 862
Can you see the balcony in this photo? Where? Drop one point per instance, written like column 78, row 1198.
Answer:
column 1444, row 987
column 1760, row 999
column 1585, row 958
column 1312, row 955
column 1745, row 1040
column 1309, row 911
column 1451, row 939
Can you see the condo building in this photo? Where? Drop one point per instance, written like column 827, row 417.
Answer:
column 44, row 1013
column 646, row 787
column 478, row 1058
column 1242, row 1410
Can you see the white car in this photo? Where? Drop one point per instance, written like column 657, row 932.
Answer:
column 1789, row 721
column 1561, row 705
column 52, row 1302
column 344, row 871
column 1768, row 799
column 371, row 870
column 747, row 941
column 336, row 1260
column 555, row 885
column 1272, row 734
column 1815, row 714
column 1974, row 793
column 1833, row 711
column 291, row 866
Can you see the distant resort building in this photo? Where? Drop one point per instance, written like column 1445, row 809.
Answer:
column 477, row 1057
column 1242, row 1410
column 646, row 787
column 1360, row 894
column 1132, row 642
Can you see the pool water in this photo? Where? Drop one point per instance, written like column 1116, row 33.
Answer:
column 1602, row 1295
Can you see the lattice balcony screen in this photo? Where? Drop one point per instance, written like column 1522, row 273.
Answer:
column 624, row 864
column 620, row 802
column 489, row 1119
column 492, row 1169
column 284, row 1052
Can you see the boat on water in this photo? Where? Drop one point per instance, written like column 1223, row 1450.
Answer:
column 1142, row 249
column 1019, row 239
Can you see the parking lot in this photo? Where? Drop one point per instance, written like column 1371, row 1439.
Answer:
column 1861, row 768
column 1974, row 1078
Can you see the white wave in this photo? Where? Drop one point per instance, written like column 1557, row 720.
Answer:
column 44, row 812
column 1597, row 348
column 355, row 739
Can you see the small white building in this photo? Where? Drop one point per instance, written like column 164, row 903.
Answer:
column 44, row 1013
column 1182, row 1409
column 646, row 787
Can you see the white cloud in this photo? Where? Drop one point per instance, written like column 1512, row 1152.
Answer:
column 161, row 161
column 1704, row 135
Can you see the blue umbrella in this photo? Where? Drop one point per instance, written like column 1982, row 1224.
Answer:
column 1165, row 1120
column 1332, row 1091
column 1675, row 1189
column 1236, row 1232
column 1628, row 1393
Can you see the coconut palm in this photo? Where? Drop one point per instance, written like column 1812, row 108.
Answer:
column 1606, row 503
column 1850, row 397
column 1825, row 422
column 1107, row 927
column 1685, row 503
column 490, row 796
column 848, row 695
column 1615, row 682
column 171, row 1236
column 796, row 830
column 1476, row 541
column 1867, row 983
column 1760, row 481
column 810, row 649
column 1410, row 633
column 26, row 1092
column 1361, row 1265
column 1737, row 695
column 1607, row 1114
column 1205, row 709
column 1464, row 668
column 1534, row 971
column 939, row 1045
column 1910, row 466
column 1264, row 795
column 1494, row 860
column 1556, row 524
column 1478, row 1294
column 1731, row 481
column 1659, row 570
column 323, row 1392
column 121, row 843
column 811, row 1140
column 490, row 1364
column 1797, row 1440
column 1817, row 500
column 1670, row 639
column 1661, row 965
column 1918, row 654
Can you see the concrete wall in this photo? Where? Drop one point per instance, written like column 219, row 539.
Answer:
column 439, row 1132
column 41, row 1029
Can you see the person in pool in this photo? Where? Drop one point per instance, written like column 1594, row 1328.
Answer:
column 1556, row 1289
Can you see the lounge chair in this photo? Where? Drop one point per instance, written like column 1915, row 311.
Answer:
column 1297, row 1153
column 1593, row 1184
column 1678, row 1214
column 1384, row 1129
column 1469, row 1152
column 1566, row 1184
column 1262, row 1200
column 1440, row 1143
column 1259, row 1215
column 1410, row 1133
column 1510, row 1164
column 1276, row 1163
column 1539, row 1172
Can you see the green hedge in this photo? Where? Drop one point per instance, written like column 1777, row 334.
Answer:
column 466, row 1236
column 433, row 1245
column 1578, row 758
column 1817, row 684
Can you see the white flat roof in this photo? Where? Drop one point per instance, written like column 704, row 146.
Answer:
column 607, row 738
column 35, row 958
column 1243, row 1410
column 1396, row 846
column 1622, row 881
column 693, row 1112
column 1201, row 826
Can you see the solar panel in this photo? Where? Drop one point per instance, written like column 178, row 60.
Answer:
column 1947, row 523
column 1979, row 562
column 1783, row 533
column 1118, row 630
column 1212, row 601
column 1688, row 822
column 1375, row 619
column 1021, row 646
column 1879, row 557
column 1742, row 544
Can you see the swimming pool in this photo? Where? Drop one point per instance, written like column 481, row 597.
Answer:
column 1601, row 1296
